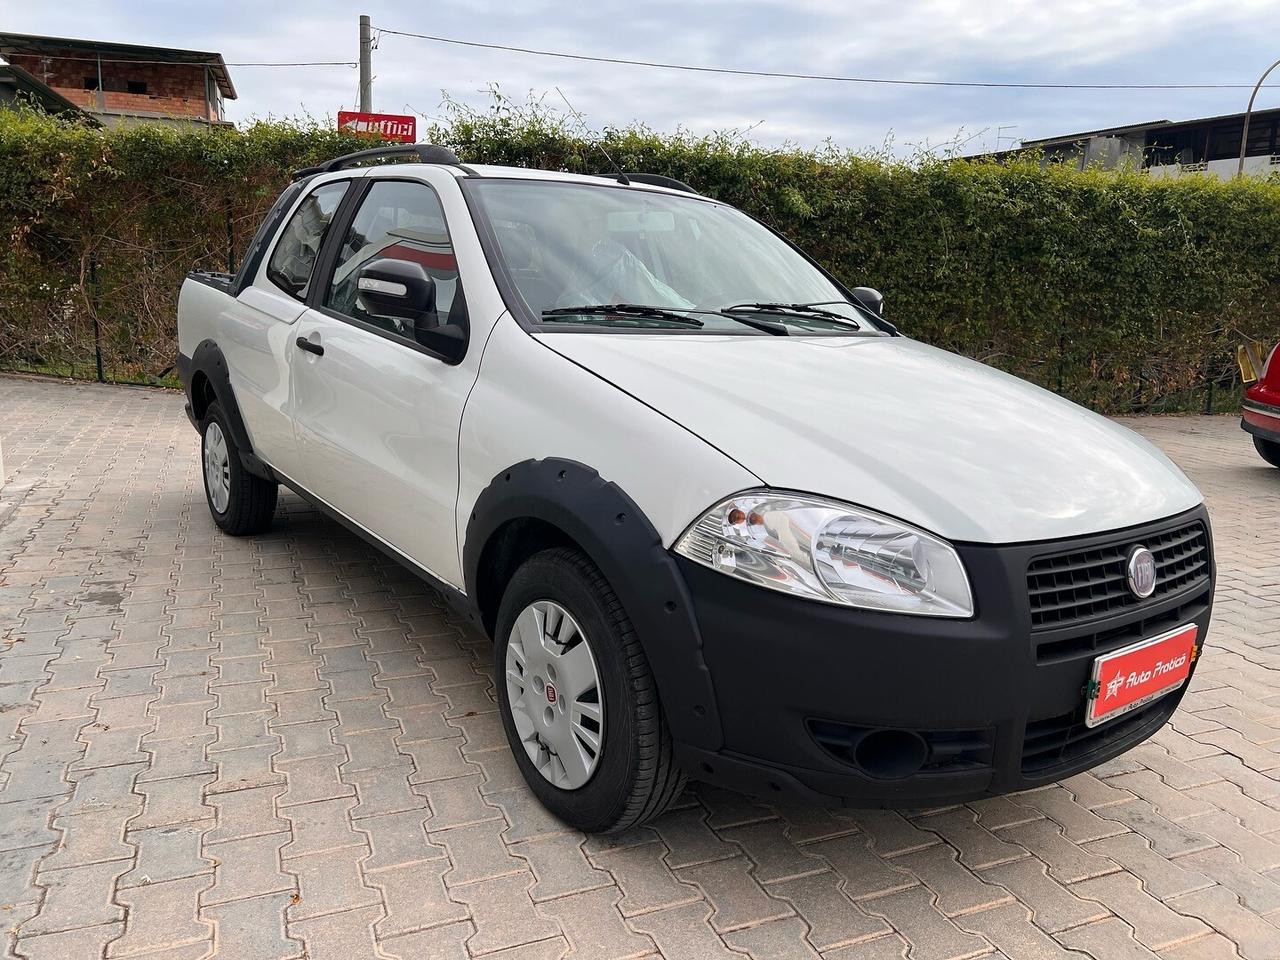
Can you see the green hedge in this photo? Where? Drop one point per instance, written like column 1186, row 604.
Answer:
column 1119, row 291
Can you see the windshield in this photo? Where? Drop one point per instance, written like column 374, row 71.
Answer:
column 568, row 245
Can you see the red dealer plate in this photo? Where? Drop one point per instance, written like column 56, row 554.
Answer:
column 1136, row 675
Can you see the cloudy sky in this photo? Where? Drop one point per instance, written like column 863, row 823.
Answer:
column 1051, row 41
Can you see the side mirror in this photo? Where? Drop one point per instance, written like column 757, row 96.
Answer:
column 396, row 288
column 870, row 298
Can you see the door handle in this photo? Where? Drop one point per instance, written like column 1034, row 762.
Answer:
column 311, row 346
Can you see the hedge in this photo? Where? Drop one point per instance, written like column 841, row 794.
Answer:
column 1119, row 291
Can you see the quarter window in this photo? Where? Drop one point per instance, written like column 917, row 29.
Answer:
column 295, row 253
column 398, row 242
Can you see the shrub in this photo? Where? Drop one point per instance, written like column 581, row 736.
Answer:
column 1117, row 290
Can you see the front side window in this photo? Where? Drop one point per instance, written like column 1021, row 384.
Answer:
column 295, row 253
column 396, row 270
column 568, row 245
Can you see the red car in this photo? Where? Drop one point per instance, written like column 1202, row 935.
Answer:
column 1260, row 414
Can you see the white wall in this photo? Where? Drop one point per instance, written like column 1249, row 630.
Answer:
column 1223, row 169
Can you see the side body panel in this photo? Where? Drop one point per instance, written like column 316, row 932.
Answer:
column 376, row 421
column 255, row 333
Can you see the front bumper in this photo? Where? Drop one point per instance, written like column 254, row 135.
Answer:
column 1260, row 418
column 834, row 704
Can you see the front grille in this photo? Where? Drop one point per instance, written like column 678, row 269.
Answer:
column 1065, row 740
column 1075, row 586
column 1113, row 638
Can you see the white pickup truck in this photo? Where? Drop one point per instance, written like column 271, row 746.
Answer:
column 720, row 518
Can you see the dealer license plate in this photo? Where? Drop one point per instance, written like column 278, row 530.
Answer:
column 1126, row 679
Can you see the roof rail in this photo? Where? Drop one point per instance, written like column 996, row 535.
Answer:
column 425, row 152
column 656, row 180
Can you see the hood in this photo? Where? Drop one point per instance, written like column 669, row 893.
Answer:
column 943, row 442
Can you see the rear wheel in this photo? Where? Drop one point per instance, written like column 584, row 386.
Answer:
column 239, row 502
column 1269, row 450
column 577, row 697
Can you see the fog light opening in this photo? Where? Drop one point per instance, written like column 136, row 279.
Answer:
column 891, row 754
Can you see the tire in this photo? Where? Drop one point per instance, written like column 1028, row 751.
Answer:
column 241, row 504
column 635, row 777
column 1269, row 450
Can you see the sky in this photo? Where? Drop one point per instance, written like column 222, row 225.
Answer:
column 1049, row 41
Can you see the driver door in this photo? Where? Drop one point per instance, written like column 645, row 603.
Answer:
column 378, row 412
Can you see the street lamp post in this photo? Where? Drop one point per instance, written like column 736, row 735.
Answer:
column 1244, row 135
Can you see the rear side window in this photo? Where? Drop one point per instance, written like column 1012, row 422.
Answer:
column 296, row 251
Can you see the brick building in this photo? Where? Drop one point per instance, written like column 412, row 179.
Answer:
column 120, row 83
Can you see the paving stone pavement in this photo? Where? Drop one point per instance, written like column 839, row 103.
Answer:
column 284, row 747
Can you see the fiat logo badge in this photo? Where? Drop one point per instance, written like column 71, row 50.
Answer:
column 1140, row 572
column 550, row 691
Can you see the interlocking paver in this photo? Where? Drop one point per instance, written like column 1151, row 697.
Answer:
column 1068, row 862
column 1053, row 906
column 253, row 929
column 81, row 942
column 161, row 915
column 933, row 937
column 340, row 936
column 782, row 939
column 683, row 933
column 415, row 898
column 398, row 838
column 77, row 897
column 770, row 846
column 503, row 913
column 595, row 930
column 1254, row 935
column 738, row 899
column 247, row 868
column 559, row 867
column 1008, row 929
column 957, row 888
column 197, row 731
column 832, row 919
column 1161, row 877
column 1154, row 924
column 478, row 852
column 978, row 846
column 647, row 883
column 864, row 873
column 330, row 882
column 1258, row 892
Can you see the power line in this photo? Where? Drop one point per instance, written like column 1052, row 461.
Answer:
column 817, row 76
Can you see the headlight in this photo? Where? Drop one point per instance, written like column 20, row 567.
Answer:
column 828, row 551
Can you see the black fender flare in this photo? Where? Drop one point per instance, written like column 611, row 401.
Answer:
column 606, row 523
column 207, row 359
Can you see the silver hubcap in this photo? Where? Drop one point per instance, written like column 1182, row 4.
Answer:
column 553, row 688
column 217, row 468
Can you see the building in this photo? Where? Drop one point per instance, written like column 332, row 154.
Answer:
column 1168, row 148
column 16, row 85
column 121, row 83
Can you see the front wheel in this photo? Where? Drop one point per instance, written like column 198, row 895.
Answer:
column 1269, row 450
column 577, row 697
column 239, row 502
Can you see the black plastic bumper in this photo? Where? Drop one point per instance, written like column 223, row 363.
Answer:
column 834, row 704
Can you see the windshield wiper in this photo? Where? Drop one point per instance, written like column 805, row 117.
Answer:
column 792, row 309
column 637, row 310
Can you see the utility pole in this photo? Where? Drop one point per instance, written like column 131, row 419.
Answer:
column 366, row 64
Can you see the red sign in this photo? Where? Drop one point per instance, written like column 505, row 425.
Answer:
column 388, row 126
column 1128, row 678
